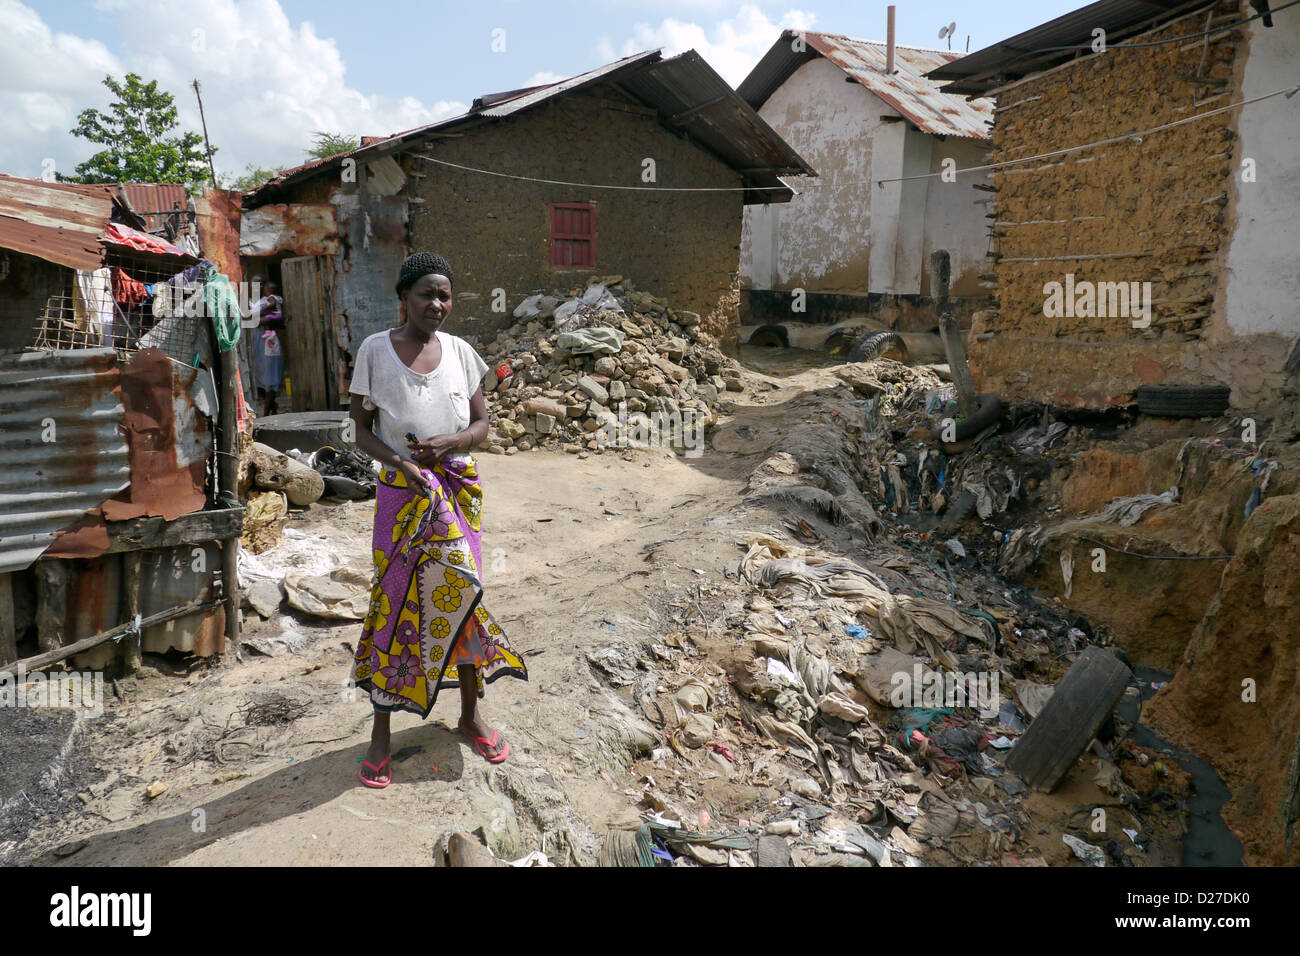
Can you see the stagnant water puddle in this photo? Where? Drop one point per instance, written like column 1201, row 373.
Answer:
column 1208, row 842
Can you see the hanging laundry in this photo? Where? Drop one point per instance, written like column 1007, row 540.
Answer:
column 128, row 292
column 92, row 306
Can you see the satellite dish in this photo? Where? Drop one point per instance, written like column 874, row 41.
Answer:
column 948, row 31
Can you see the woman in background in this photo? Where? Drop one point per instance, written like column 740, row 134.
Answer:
column 268, row 359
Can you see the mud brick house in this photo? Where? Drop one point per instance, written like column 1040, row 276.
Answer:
column 861, row 112
column 1207, row 212
column 336, row 230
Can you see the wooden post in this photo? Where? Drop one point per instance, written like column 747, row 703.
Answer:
column 940, row 275
column 51, row 603
column 940, row 272
column 957, row 364
column 8, row 623
column 131, row 562
column 227, row 480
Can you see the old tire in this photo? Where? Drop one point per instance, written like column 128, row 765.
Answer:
column 839, row 342
column 770, row 336
column 306, row 431
column 988, row 407
column 875, row 345
column 1183, row 401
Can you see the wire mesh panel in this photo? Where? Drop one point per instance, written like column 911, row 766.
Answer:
column 131, row 303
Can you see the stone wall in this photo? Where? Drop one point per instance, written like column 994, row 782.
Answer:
column 494, row 231
column 1134, row 211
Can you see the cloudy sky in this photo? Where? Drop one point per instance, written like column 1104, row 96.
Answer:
column 274, row 71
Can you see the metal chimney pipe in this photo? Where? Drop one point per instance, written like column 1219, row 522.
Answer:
column 889, row 42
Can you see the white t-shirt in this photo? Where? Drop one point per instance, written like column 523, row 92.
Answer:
column 433, row 403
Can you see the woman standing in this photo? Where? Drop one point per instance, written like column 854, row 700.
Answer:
column 268, row 359
column 416, row 388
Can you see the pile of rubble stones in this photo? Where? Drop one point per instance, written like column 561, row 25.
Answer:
column 606, row 369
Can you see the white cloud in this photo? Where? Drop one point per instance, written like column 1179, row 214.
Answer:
column 731, row 46
column 267, row 84
column 542, row 78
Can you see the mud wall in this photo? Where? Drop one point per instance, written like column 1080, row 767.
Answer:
column 495, row 231
column 1236, row 700
column 1152, row 210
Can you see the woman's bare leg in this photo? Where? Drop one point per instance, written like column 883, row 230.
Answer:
column 471, row 721
column 380, row 746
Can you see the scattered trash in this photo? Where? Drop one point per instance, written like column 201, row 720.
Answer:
column 342, row 595
column 1089, row 854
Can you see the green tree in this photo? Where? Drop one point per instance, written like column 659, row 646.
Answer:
column 252, row 177
column 135, row 133
column 331, row 144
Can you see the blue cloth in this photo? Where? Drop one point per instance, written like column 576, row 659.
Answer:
column 268, row 361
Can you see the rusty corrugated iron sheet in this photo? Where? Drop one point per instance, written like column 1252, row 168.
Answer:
column 169, row 440
column 71, row 396
column 58, row 222
column 304, row 229
column 153, row 202
column 907, row 90
column 216, row 215
column 168, row 578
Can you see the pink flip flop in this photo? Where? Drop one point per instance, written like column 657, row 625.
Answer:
column 483, row 745
column 378, row 783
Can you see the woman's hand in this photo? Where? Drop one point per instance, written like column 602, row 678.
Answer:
column 414, row 478
column 437, row 447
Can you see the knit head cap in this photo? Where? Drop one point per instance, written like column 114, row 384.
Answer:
column 422, row 264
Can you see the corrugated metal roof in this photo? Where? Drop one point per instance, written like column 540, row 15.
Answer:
column 542, row 94
column 906, row 90
column 58, row 222
column 47, row 485
column 688, row 94
column 153, row 201
column 1039, row 48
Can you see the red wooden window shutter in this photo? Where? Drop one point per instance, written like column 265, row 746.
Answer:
column 573, row 235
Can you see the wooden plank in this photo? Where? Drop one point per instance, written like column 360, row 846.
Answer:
column 304, row 329
column 228, row 492
column 8, row 624
column 1063, row 729
column 51, row 603
column 200, row 527
column 131, row 562
column 62, row 653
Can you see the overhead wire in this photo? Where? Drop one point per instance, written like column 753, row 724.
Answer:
column 1134, row 136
